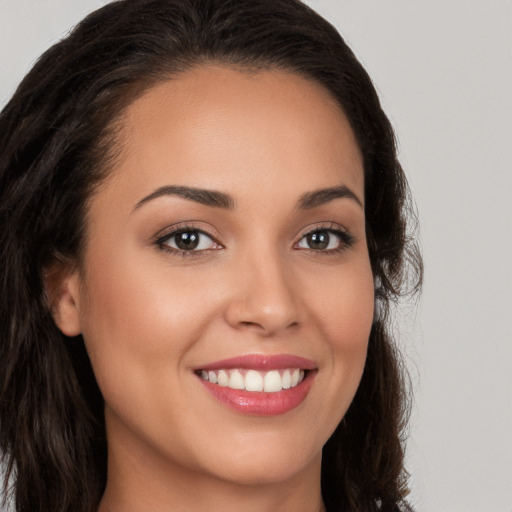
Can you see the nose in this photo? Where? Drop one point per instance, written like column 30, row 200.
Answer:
column 263, row 298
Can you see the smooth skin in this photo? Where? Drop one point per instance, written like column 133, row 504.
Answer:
column 150, row 312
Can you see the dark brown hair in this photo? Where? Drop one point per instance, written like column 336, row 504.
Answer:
column 58, row 141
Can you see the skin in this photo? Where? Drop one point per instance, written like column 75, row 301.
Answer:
column 149, row 317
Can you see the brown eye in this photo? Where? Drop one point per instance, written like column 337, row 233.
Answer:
column 187, row 240
column 318, row 240
column 325, row 240
column 192, row 240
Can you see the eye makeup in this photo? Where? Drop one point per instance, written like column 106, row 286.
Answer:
column 187, row 240
column 326, row 239
column 190, row 240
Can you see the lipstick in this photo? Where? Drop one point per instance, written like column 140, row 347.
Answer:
column 259, row 384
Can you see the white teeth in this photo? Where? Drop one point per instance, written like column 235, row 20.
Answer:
column 236, row 380
column 295, row 377
column 272, row 382
column 252, row 380
column 223, row 378
column 287, row 379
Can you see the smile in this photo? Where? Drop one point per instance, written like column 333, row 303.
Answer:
column 271, row 381
column 261, row 385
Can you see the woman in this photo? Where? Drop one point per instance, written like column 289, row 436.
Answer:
column 203, row 223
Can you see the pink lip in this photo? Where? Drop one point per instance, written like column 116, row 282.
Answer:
column 261, row 403
column 261, row 362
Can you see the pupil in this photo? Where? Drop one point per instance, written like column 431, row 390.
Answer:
column 318, row 240
column 187, row 240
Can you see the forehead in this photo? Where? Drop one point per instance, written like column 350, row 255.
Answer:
column 217, row 127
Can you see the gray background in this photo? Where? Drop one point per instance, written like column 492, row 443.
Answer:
column 443, row 69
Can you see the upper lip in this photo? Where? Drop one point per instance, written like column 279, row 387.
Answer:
column 262, row 362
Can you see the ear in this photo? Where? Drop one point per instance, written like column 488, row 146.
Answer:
column 62, row 285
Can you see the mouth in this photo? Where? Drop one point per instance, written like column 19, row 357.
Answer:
column 271, row 381
column 259, row 385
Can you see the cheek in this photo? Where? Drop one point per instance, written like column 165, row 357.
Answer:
column 128, row 295
column 139, row 323
column 345, row 311
column 354, row 324
column 343, row 307
column 344, row 303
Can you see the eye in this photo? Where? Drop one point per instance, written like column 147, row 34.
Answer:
column 327, row 240
column 187, row 240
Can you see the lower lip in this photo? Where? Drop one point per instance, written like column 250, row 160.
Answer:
column 260, row 403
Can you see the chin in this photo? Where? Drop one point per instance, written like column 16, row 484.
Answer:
column 260, row 462
column 265, row 472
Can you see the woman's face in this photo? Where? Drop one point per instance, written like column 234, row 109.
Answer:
column 228, row 243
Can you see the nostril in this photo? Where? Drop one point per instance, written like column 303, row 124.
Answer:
column 265, row 327
column 252, row 326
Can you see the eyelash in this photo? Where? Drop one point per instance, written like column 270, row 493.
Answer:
column 160, row 242
column 346, row 240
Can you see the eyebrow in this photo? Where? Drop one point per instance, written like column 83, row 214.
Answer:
column 325, row 195
column 199, row 195
column 226, row 202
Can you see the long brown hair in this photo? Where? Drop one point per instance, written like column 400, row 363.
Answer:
column 58, row 141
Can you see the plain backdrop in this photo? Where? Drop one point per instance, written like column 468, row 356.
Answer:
column 443, row 69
